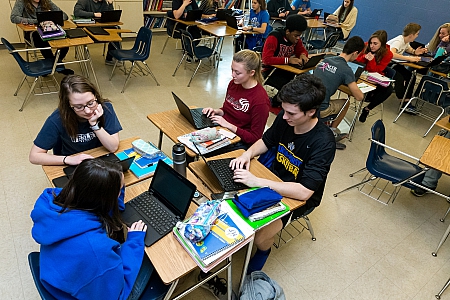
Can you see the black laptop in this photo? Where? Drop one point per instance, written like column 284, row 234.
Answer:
column 316, row 12
column 75, row 33
column 164, row 204
column 54, row 15
column 429, row 62
column 221, row 14
column 109, row 16
column 97, row 30
column 232, row 21
column 224, row 174
column 194, row 14
column 357, row 68
column 312, row 62
column 195, row 116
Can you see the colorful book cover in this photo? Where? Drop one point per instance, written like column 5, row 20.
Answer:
column 137, row 167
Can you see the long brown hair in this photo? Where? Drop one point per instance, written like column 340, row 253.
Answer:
column 94, row 187
column 381, row 35
column 251, row 61
column 75, row 84
column 345, row 10
column 30, row 8
column 436, row 40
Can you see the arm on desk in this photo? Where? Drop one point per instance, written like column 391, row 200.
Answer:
column 404, row 57
column 356, row 92
column 268, row 54
column 39, row 156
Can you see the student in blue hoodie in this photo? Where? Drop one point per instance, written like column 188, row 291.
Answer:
column 77, row 228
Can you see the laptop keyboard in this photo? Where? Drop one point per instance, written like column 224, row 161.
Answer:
column 200, row 119
column 225, row 174
column 157, row 216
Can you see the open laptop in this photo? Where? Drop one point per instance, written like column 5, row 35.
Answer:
column 221, row 14
column 164, row 204
column 111, row 157
column 109, row 16
column 54, row 15
column 194, row 14
column 224, row 174
column 232, row 21
column 429, row 62
column 312, row 62
column 325, row 15
column 75, row 33
column 357, row 68
column 195, row 116
column 315, row 12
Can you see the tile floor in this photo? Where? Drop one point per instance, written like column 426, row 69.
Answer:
column 364, row 250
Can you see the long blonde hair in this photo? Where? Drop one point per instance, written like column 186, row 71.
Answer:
column 251, row 61
column 436, row 40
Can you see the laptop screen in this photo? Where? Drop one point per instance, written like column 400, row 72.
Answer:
column 172, row 189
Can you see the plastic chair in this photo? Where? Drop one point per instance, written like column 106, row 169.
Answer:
column 322, row 45
column 139, row 53
column 172, row 31
column 429, row 101
column 155, row 289
column 194, row 51
column 295, row 228
column 37, row 69
column 381, row 165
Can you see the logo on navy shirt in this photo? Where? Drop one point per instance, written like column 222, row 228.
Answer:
column 83, row 137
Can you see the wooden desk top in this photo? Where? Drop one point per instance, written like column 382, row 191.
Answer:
column 53, row 172
column 112, row 37
column 97, row 24
column 437, row 154
column 343, row 88
column 184, row 22
column 412, row 65
column 444, row 123
column 292, row 69
column 220, row 30
column 32, row 27
column 169, row 258
column 63, row 43
column 204, row 173
column 173, row 124
column 438, row 73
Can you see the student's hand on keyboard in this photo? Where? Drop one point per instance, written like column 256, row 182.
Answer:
column 240, row 162
column 244, row 176
column 208, row 111
column 221, row 121
column 138, row 226
column 77, row 159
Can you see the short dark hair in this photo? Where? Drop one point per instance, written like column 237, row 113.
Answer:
column 306, row 91
column 296, row 22
column 355, row 43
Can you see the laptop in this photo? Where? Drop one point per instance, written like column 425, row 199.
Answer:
column 164, row 204
column 109, row 16
column 232, row 22
column 97, row 30
column 194, row 14
column 429, row 62
column 111, row 157
column 54, row 15
column 315, row 12
column 224, row 174
column 357, row 68
column 312, row 62
column 195, row 116
column 75, row 33
column 325, row 15
column 221, row 14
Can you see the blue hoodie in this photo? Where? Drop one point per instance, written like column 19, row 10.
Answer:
column 78, row 260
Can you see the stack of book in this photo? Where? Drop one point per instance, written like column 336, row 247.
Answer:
column 82, row 20
column 379, row 79
column 205, row 147
column 50, row 31
column 143, row 167
column 228, row 234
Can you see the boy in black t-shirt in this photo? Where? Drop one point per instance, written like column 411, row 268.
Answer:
column 305, row 149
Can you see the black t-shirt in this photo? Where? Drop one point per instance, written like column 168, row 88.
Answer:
column 176, row 4
column 303, row 158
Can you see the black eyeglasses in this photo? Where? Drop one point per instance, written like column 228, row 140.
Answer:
column 90, row 104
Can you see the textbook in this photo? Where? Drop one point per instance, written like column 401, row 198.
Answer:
column 379, row 79
column 142, row 166
column 205, row 147
column 82, row 20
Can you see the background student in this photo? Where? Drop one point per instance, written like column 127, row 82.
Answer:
column 246, row 106
column 376, row 56
column 24, row 12
column 346, row 16
column 440, row 39
column 82, row 121
column 83, row 254
column 209, row 7
column 258, row 23
column 94, row 9
column 303, row 7
column 399, row 45
column 180, row 9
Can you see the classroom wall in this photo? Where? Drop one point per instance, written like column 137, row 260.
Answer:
column 393, row 15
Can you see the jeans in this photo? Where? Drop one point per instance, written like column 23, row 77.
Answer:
column 142, row 279
column 432, row 176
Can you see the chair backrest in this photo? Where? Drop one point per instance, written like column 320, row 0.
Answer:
column 331, row 40
column 172, row 25
column 432, row 90
column 143, row 42
column 376, row 151
column 33, row 261
column 22, row 63
column 187, row 42
column 389, row 72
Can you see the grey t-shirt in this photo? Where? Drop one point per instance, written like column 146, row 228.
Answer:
column 333, row 71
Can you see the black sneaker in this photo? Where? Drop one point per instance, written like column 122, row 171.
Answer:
column 339, row 136
column 363, row 116
column 66, row 72
column 340, row 146
column 419, row 192
column 216, row 285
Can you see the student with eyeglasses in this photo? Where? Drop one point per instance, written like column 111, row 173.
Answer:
column 82, row 121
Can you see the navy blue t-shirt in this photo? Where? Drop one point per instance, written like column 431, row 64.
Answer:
column 54, row 136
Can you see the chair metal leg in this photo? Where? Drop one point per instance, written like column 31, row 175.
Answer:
column 435, row 120
column 371, row 178
column 444, row 237
column 438, row 296
column 128, row 76
column 179, row 64
column 29, row 93
column 310, row 228
column 114, row 68
column 164, row 47
column 195, row 72
column 150, row 72
column 445, row 216
column 20, row 85
column 360, row 170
